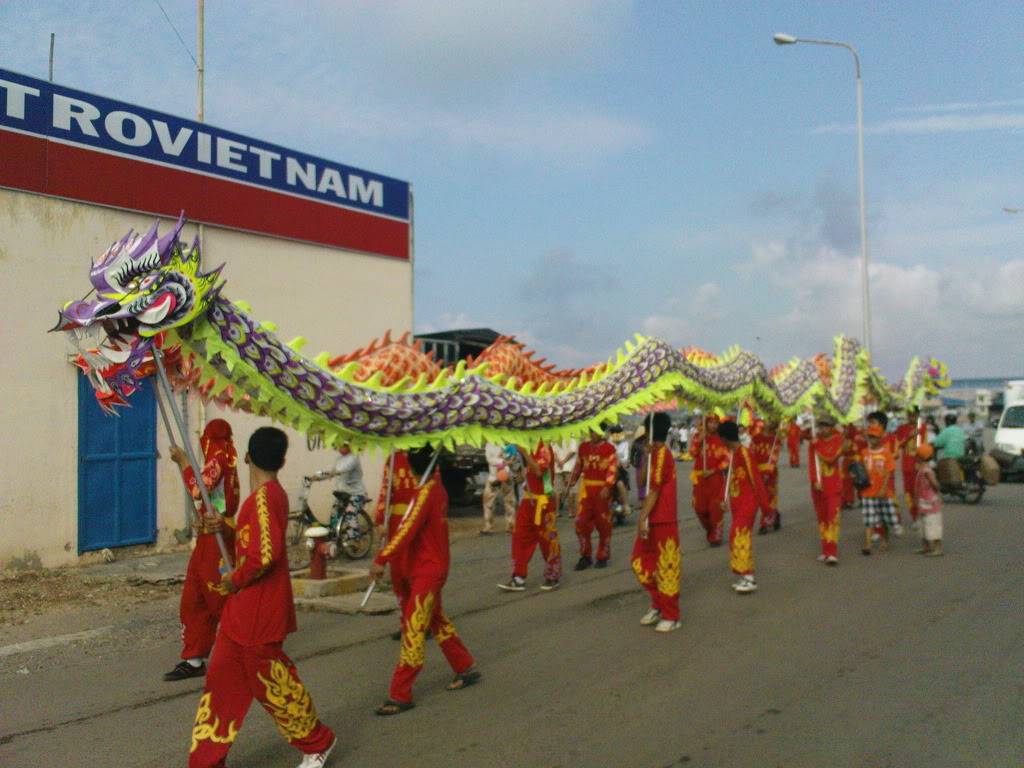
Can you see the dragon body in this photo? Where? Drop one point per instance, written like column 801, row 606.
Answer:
column 150, row 293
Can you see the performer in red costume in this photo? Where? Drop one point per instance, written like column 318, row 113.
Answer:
column 853, row 444
column 202, row 597
column 536, row 523
column 657, row 559
column 766, row 448
column 420, row 547
column 823, row 454
column 597, row 464
column 909, row 435
column 248, row 660
column 793, row 437
column 711, row 459
column 746, row 494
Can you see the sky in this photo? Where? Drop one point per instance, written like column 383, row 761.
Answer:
column 584, row 171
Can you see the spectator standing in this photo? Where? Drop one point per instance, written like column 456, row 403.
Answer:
column 565, row 463
column 499, row 485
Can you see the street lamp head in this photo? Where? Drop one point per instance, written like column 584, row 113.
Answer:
column 783, row 39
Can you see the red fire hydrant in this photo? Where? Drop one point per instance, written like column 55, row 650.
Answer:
column 320, row 549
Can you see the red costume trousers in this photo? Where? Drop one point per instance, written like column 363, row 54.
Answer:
column 794, row 452
column 238, row 674
column 536, row 525
column 826, row 507
column 419, row 598
column 771, row 484
column 909, row 475
column 592, row 512
column 707, row 503
column 657, row 563
column 202, row 598
column 741, row 545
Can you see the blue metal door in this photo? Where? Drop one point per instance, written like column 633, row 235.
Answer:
column 116, row 471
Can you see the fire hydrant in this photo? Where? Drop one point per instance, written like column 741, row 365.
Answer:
column 320, row 549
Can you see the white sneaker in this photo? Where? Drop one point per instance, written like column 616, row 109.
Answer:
column 667, row 626
column 831, row 560
column 898, row 529
column 651, row 617
column 515, row 584
column 746, row 585
column 318, row 759
column 820, row 558
column 875, row 537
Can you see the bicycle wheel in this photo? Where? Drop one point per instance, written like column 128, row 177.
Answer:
column 357, row 536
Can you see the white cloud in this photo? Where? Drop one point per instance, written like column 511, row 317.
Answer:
column 950, row 123
column 964, row 106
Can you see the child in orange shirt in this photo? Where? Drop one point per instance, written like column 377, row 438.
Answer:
column 878, row 500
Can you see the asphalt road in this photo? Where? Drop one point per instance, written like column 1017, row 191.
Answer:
column 890, row 660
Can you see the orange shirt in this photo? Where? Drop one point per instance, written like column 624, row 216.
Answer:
column 881, row 468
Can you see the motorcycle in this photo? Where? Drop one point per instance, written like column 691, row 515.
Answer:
column 961, row 478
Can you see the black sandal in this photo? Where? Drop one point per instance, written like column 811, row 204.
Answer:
column 865, row 551
column 464, row 680
column 392, row 707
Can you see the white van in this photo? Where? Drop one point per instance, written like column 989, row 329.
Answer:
column 1010, row 432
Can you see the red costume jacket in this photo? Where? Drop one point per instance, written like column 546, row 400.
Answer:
column 219, row 472
column 907, row 437
column 827, row 450
column 421, row 540
column 746, row 489
column 262, row 610
column 765, row 449
column 545, row 458
column 663, row 480
column 598, row 464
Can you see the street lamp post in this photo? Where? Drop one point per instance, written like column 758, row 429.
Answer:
column 783, row 39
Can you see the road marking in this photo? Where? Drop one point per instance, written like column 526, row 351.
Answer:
column 50, row 642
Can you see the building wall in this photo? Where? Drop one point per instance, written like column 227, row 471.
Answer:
column 337, row 299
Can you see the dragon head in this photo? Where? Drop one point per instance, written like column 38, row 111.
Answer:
column 144, row 285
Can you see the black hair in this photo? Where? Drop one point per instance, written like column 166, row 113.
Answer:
column 605, row 426
column 420, row 458
column 267, row 447
column 880, row 417
column 729, row 430
column 950, row 419
column 660, row 424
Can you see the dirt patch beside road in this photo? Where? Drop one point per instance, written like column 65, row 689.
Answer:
column 34, row 593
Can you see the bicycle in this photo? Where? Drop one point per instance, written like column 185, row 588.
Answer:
column 350, row 526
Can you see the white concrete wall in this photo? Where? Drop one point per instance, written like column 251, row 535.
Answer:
column 339, row 300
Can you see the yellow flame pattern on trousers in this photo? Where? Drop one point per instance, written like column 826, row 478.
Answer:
column 830, row 531
column 670, row 561
column 288, row 702
column 414, row 634
column 207, row 726
column 741, row 552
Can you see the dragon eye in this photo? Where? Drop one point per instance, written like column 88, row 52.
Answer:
column 132, row 286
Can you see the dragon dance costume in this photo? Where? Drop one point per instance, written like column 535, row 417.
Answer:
column 419, row 549
column 536, row 520
column 202, row 596
column 597, row 467
column 909, row 436
column 710, row 462
column 746, row 494
column 657, row 559
column 766, row 448
column 825, row 452
column 248, row 659
column 793, row 437
column 854, row 444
